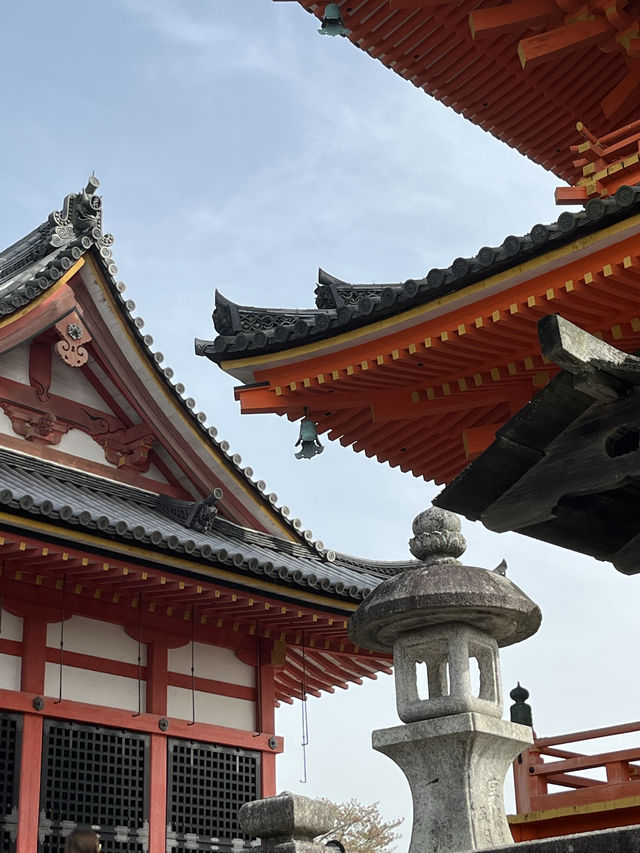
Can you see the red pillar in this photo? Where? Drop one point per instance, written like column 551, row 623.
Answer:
column 158, row 794
column 267, row 701
column 157, row 678
column 157, row 682
column 34, row 639
column 34, row 642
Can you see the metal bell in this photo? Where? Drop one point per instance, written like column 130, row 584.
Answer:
column 309, row 440
column 332, row 23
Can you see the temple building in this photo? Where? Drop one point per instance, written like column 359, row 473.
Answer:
column 156, row 603
column 422, row 373
column 486, row 372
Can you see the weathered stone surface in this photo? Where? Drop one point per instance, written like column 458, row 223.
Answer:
column 619, row 840
column 287, row 823
column 442, row 592
column 456, row 767
column 444, row 651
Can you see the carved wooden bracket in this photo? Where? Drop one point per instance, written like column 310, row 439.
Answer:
column 75, row 337
column 127, row 448
column 38, row 427
column 45, row 422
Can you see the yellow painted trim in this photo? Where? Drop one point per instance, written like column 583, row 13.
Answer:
column 569, row 811
column 240, row 481
column 134, row 552
column 44, row 295
column 352, row 337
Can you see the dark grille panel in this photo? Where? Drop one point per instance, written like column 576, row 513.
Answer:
column 10, row 731
column 206, row 786
column 94, row 776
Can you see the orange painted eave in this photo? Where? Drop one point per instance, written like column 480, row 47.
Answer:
column 428, row 395
column 534, row 110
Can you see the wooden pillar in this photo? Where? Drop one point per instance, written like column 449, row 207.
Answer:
column 157, row 678
column 34, row 642
column 158, row 794
column 157, row 683
column 34, row 639
column 271, row 657
column 29, row 791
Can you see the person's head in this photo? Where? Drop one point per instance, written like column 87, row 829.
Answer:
column 83, row 841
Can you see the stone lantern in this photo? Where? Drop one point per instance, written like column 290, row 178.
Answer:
column 441, row 619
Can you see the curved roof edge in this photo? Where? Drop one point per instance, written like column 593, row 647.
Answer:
column 36, row 262
column 69, row 499
column 247, row 331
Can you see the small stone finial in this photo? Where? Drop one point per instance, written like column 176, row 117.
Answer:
column 520, row 712
column 437, row 537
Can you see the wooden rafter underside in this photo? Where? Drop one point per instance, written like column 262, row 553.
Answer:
column 471, row 58
column 430, row 398
column 132, row 594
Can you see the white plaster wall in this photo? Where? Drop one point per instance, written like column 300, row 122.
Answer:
column 69, row 382
column 92, row 637
column 113, row 392
column 212, row 662
column 5, row 425
column 211, row 708
column 11, row 627
column 15, row 364
column 154, row 474
column 97, row 688
column 10, row 668
column 81, row 444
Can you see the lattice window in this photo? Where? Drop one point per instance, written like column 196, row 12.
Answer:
column 10, row 732
column 207, row 784
column 94, row 776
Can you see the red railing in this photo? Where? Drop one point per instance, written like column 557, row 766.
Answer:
column 534, row 773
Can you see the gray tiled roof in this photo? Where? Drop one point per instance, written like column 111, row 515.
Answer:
column 36, row 262
column 31, row 486
column 247, row 331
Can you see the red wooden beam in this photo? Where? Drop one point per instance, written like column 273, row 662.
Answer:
column 558, row 42
column 516, row 15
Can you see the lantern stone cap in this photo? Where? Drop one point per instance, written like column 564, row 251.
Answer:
column 287, row 817
column 440, row 590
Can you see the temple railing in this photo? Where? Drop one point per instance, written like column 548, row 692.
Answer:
column 544, row 765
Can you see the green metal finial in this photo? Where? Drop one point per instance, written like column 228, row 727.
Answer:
column 520, row 711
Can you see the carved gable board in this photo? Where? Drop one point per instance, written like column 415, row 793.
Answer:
column 81, row 387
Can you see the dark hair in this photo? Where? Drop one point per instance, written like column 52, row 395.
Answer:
column 337, row 844
column 82, row 841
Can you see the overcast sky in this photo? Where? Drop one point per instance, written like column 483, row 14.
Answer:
column 239, row 149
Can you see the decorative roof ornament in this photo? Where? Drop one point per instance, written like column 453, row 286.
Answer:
column 196, row 515
column 308, row 438
column 332, row 22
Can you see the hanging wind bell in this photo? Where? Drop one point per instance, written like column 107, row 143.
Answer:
column 332, row 22
column 308, row 438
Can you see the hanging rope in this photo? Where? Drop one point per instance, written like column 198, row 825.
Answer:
column 193, row 672
column 305, row 717
column 139, row 657
column 64, row 591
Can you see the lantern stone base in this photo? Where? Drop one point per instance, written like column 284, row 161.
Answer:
column 455, row 767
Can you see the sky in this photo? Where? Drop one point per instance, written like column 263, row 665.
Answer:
column 238, row 149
